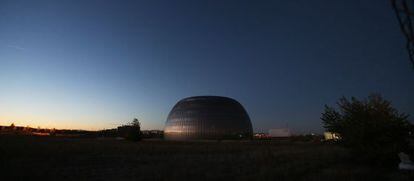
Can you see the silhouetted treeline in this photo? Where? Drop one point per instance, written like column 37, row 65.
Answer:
column 115, row 132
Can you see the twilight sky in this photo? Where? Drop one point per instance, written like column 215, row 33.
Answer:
column 98, row 64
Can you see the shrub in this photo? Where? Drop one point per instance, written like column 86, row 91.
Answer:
column 371, row 127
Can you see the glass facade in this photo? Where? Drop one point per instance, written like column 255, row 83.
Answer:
column 208, row 117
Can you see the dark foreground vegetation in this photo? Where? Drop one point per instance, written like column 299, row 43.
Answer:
column 59, row 158
column 371, row 127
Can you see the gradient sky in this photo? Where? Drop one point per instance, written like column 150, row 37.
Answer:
column 98, row 64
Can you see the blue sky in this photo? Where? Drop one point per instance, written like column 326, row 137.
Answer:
column 98, row 64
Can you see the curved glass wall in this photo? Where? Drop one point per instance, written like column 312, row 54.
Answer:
column 208, row 117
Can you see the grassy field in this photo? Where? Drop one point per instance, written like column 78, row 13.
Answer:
column 109, row 159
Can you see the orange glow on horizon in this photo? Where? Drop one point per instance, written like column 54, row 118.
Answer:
column 50, row 124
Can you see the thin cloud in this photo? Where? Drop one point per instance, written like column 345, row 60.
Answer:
column 16, row 47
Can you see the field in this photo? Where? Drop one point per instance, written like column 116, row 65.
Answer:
column 51, row 158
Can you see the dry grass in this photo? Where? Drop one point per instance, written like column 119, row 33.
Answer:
column 109, row 159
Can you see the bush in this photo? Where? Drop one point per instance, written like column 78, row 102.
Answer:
column 370, row 127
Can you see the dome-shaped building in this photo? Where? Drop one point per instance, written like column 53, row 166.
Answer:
column 208, row 117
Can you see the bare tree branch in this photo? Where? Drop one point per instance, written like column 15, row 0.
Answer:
column 404, row 11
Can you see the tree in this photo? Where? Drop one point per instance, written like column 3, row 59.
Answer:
column 403, row 10
column 369, row 126
column 135, row 122
column 135, row 130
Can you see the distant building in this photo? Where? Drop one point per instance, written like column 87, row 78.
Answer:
column 261, row 136
column 280, row 132
column 127, row 130
column 152, row 133
column 331, row 136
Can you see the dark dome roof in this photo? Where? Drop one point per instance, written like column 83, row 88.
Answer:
column 207, row 117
